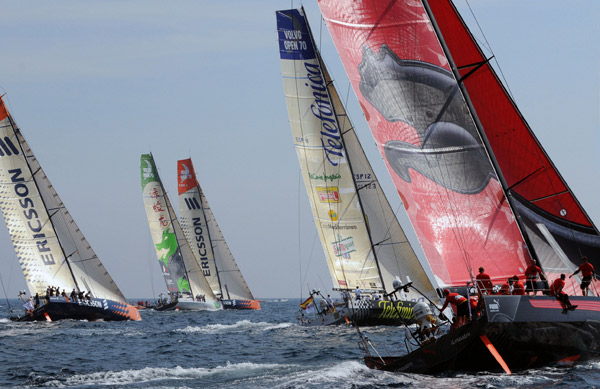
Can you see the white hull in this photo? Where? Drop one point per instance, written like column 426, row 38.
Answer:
column 191, row 305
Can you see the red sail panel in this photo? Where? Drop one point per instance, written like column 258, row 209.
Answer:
column 186, row 176
column 525, row 166
column 429, row 142
column 3, row 111
column 558, row 229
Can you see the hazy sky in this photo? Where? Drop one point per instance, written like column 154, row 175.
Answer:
column 95, row 84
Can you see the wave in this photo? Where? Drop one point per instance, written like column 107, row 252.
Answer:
column 156, row 374
column 243, row 325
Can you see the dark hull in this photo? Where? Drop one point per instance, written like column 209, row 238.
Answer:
column 165, row 307
column 526, row 332
column 58, row 308
column 241, row 304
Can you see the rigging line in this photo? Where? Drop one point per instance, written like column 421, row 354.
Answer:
column 4, row 290
column 489, row 47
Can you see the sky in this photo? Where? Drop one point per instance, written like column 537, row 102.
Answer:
column 95, row 84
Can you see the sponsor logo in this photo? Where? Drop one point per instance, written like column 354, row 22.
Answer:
column 329, row 195
column 147, row 171
column 324, row 177
column 201, row 246
column 495, row 306
column 294, row 43
column 7, row 148
column 343, row 247
column 460, row 338
column 184, row 174
column 192, row 203
column 323, row 110
column 33, row 223
column 329, row 226
column 333, row 215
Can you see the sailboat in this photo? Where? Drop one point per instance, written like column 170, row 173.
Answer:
column 477, row 185
column 53, row 253
column 186, row 284
column 364, row 244
column 209, row 246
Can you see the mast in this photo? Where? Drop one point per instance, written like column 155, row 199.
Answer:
column 358, row 189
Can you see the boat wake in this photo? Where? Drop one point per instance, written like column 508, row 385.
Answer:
column 142, row 377
column 240, row 326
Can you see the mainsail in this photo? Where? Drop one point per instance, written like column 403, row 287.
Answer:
column 455, row 143
column 180, row 269
column 363, row 242
column 52, row 251
column 206, row 239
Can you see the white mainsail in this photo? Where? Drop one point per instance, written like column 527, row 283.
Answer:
column 51, row 249
column 180, row 269
column 363, row 241
column 206, row 239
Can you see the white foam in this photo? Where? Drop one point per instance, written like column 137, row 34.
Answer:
column 153, row 374
column 243, row 325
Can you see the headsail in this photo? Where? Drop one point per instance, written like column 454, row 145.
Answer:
column 206, row 239
column 179, row 267
column 51, row 249
column 363, row 241
column 428, row 138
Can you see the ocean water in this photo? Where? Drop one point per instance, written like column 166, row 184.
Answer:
column 227, row 349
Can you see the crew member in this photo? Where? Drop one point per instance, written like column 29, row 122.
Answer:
column 357, row 293
column 587, row 273
column 461, row 304
column 507, row 288
column 484, row 282
column 557, row 290
column 531, row 274
column 330, row 303
column 518, row 287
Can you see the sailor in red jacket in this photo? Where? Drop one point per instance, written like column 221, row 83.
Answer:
column 587, row 273
column 460, row 302
column 531, row 274
column 483, row 282
column 508, row 287
column 557, row 290
column 518, row 287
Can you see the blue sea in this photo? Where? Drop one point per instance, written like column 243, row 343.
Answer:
column 227, row 349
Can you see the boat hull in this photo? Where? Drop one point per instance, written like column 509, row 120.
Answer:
column 192, row 305
column 381, row 312
column 241, row 304
column 526, row 332
column 60, row 308
column 364, row 313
